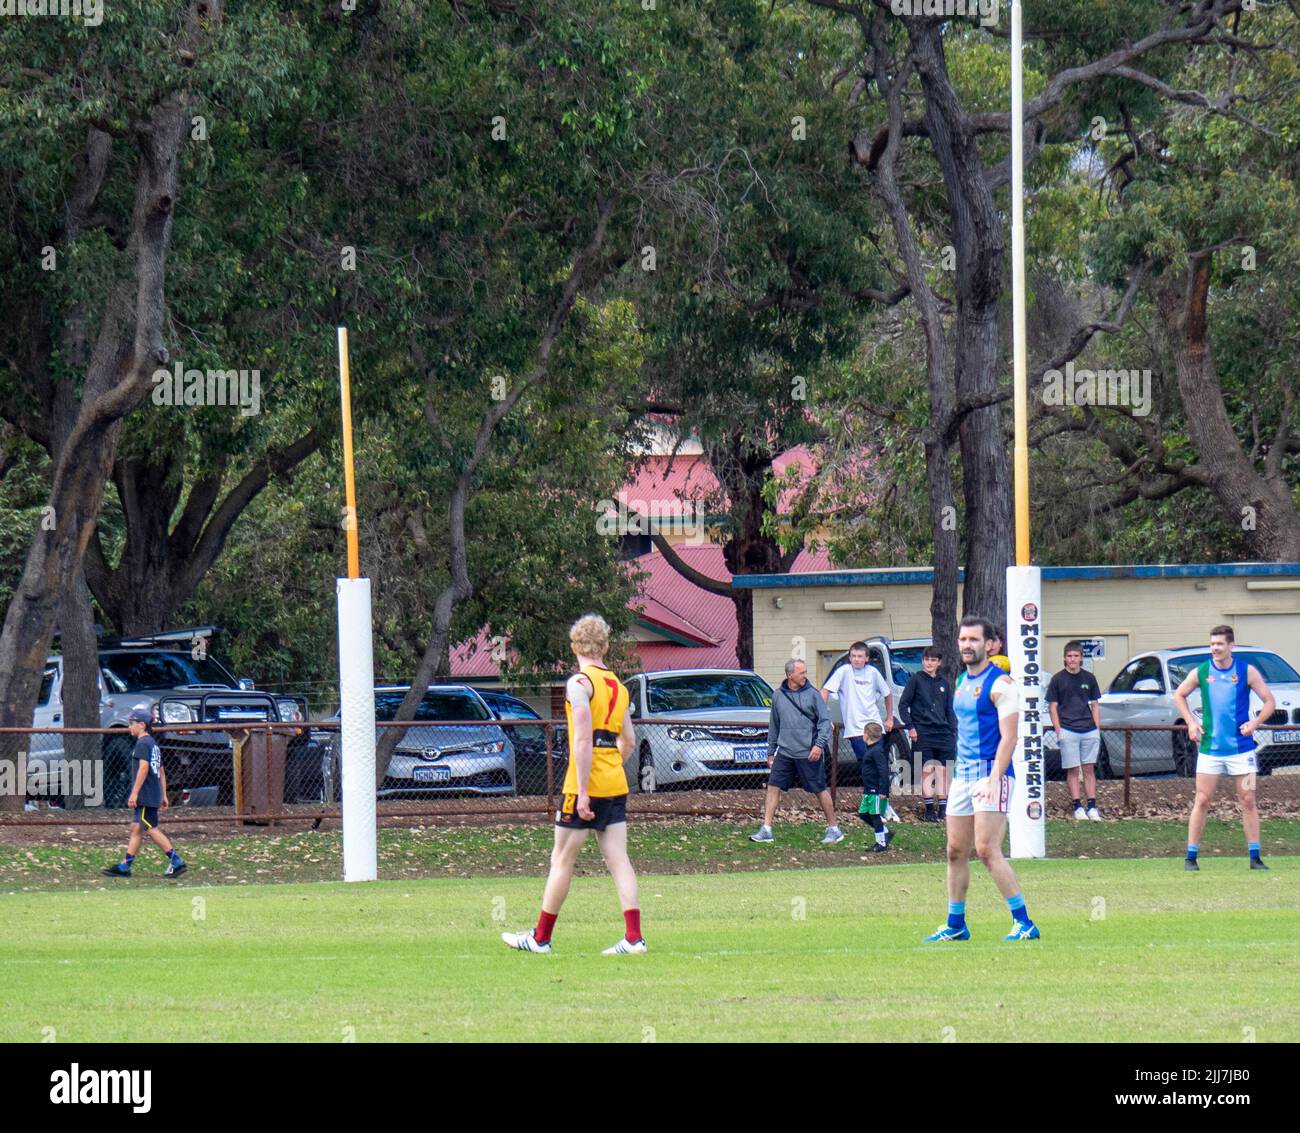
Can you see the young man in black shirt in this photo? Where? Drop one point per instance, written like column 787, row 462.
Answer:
column 926, row 711
column 148, row 797
column 1072, row 698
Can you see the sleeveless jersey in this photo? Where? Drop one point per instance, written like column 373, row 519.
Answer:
column 1225, row 706
column 609, row 702
column 978, row 730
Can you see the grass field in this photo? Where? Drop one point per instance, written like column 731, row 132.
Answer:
column 1132, row 950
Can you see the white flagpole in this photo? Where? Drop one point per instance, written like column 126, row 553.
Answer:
column 1024, row 582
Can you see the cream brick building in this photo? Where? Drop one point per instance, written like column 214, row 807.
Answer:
column 1130, row 608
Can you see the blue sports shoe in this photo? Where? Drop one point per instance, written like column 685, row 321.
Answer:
column 1022, row 931
column 947, row 932
column 121, row 869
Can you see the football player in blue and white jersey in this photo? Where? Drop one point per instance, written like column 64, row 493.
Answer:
column 987, row 705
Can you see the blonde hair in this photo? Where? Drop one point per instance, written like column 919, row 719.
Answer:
column 589, row 635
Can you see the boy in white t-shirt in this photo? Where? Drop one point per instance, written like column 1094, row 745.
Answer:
column 859, row 687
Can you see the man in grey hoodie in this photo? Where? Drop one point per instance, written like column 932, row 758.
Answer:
column 798, row 737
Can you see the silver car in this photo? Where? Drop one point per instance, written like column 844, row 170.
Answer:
column 435, row 757
column 719, row 728
column 1143, row 693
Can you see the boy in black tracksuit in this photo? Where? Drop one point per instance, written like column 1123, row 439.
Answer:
column 926, row 711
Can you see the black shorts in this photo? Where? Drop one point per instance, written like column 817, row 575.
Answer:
column 146, row 816
column 873, row 762
column 609, row 812
column 811, row 776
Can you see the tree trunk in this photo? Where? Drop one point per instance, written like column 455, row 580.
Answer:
column 943, row 526
column 1262, row 506
column 939, row 490
column 128, row 347
column 80, row 651
column 977, row 240
column 748, row 550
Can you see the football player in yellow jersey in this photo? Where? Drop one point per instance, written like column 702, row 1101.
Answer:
column 595, row 790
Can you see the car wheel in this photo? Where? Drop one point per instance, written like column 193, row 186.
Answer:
column 1184, row 755
column 117, row 769
column 645, row 772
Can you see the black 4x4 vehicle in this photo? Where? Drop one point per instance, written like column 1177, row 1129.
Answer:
column 174, row 674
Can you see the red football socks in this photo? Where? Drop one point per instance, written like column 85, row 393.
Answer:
column 632, row 919
column 545, row 924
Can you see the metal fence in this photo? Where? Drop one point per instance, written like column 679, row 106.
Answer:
column 273, row 773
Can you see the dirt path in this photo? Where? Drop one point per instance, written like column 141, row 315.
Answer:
column 1170, row 799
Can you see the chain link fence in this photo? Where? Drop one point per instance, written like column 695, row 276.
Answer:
column 264, row 773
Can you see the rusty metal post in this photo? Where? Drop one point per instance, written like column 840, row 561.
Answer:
column 277, row 748
column 1128, row 767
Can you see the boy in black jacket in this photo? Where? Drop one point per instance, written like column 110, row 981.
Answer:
column 926, row 711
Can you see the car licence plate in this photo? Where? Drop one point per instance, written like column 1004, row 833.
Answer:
column 431, row 774
column 1288, row 737
column 752, row 753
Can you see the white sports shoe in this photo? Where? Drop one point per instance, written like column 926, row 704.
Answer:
column 1094, row 814
column 1080, row 814
column 626, row 947
column 525, row 942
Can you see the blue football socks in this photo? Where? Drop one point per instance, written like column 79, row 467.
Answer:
column 1018, row 910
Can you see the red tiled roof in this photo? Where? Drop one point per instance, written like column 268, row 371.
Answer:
column 670, row 602
column 663, row 480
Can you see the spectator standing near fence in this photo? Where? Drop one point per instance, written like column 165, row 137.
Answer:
column 148, row 797
column 798, row 738
column 925, row 708
column 1225, row 736
column 1073, row 700
column 601, row 740
column 859, row 688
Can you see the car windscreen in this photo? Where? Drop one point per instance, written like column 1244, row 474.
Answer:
column 708, row 690
column 1271, row 667
column 135, row 672
column 512, row 709
column 436, row 706
column 906, row 662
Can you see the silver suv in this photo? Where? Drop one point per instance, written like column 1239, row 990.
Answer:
column 1143, row 693
column 172, row 674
